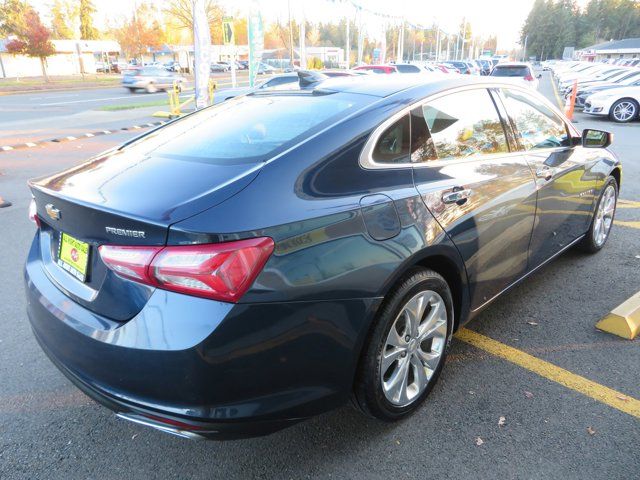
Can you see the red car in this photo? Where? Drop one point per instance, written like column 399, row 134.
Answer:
column 378, row 68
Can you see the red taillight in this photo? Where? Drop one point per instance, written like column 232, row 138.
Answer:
column 223, row 271
column 529, row 78
column 129, row 262
column 33, row 213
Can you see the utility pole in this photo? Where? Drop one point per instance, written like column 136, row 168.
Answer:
column 524, row 51
column 303, row 48
column 400, row 43
column 383, row 44
column 348, row 44
column 290, row 34
column 360, row 38
column 464, row 37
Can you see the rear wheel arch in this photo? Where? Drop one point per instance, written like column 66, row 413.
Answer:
column 445, row 261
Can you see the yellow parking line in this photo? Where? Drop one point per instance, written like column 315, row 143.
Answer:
column 625, row 223
column 627, row 204
column 591, row 389
column 555, row 92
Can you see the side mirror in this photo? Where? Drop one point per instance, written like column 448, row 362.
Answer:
column 539, row 75
column 596, row 138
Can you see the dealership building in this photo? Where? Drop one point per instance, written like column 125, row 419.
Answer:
column 626, row 48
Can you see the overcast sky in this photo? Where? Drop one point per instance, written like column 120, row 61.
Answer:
column 503, row 18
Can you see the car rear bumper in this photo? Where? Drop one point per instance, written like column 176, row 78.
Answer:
column 201, row 368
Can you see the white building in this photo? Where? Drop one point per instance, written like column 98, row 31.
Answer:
column 626, row 48
column 71, row 56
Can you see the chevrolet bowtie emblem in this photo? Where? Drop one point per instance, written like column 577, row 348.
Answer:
column 52, row 211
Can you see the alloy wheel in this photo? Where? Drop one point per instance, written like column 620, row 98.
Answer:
column 624, row 111
column 604, row 216
column 413, row 348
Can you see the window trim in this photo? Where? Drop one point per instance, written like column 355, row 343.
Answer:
column 519, row 147
column 367, row 162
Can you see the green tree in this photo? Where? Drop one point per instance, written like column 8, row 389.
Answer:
column 13, row 17
column 63, row 15
column 86, row 11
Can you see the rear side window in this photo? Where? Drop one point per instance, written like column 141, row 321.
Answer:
column 537, row 125
column 247, row 129
column 463, row 124
column 510, row 71
column 394, row 144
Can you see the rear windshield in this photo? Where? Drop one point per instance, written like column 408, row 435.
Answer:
column 514, row 71
column 247, row 129
column 408, row 68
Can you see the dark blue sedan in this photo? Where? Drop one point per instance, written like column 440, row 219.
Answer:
column 265, row 260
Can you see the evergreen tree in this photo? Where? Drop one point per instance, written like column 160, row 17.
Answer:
column 86, row 11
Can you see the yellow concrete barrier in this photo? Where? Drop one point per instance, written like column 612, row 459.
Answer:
column 624, row 320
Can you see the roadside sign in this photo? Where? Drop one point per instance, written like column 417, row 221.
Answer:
column 228, row 33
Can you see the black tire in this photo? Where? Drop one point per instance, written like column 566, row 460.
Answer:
column 368, row 392
column 631, row 107
column 131, row 89
column 589, row 244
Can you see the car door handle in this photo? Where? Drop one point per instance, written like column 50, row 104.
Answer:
column 546, row 172
column 459, row 195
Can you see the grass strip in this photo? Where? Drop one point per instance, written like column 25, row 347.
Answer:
column 131, row 106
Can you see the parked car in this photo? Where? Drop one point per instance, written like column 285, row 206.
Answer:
column 408, row 68
column 485, row 66
column 587, row 90
column 384, row 69
column 150, row 79
column 283, row 81
column 619, row 104
column 102, row 67
column 119, row 67
column 263, row 261
column 265, row 69
column 462, row 67
column 219, row 67
column 172, row 66
column 519, row 72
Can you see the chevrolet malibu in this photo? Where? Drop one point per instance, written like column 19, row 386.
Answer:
column 265, row 260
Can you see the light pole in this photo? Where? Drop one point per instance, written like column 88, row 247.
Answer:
column 524, row 50
column 290, row 35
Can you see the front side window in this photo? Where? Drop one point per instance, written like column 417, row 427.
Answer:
column 463, row 124
column 537, row 125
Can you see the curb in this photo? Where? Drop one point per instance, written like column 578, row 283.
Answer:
column 70, row 138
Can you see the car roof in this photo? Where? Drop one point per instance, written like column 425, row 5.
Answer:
column 384, row 86
column 513, row 64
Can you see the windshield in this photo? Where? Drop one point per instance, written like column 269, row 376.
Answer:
column 515, row 71
column 247, row 129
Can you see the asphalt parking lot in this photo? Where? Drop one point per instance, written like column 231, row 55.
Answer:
column 488, row 417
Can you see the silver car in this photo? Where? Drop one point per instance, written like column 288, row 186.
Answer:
column 151, row 79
